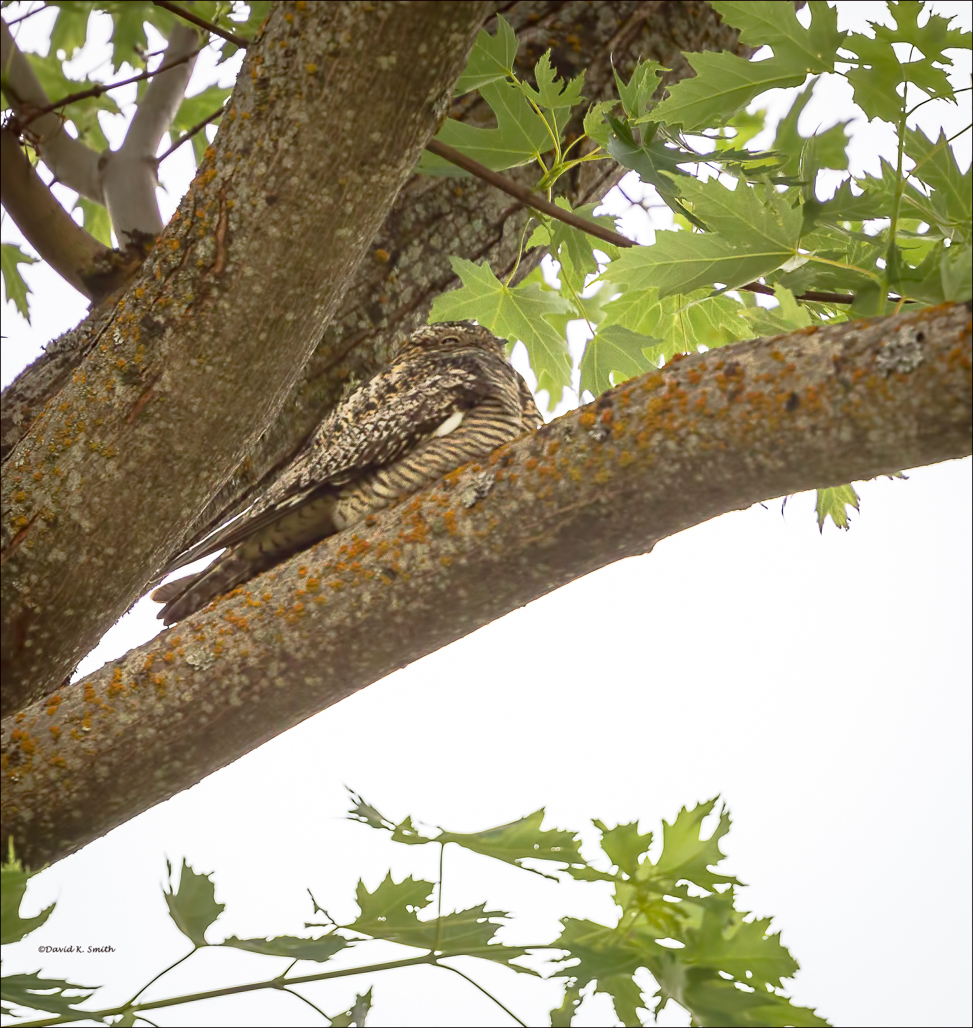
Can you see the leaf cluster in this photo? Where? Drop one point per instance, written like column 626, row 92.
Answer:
column 677, row 920
column 744, row 219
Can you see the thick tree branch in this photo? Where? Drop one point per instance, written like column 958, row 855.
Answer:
column 71, row 251
column 258, row 256
column 708, row 434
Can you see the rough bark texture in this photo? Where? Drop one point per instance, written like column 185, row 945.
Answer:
column 708, row 434
column 408, row 267
column 211, row 338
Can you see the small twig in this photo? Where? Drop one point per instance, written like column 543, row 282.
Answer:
column 524, row 195
column 189, row 133
column 529, row 199
column 100, row 89
column 489, row 995
column 202, row 23
column 24, row 17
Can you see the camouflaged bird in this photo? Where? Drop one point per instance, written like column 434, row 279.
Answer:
column 448, row 397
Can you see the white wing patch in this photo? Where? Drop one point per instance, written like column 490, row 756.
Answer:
column 450, row 424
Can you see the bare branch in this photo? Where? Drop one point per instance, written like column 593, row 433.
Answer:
column 33, row 113
column 707, row 434
column 194, row 19
column 190, row 132
column 524, row 195
column 72, row 163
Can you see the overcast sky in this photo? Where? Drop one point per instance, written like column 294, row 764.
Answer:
column 819, row 682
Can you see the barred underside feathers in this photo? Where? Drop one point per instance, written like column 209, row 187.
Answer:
column 448, row 397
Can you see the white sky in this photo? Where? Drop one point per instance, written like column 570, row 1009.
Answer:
column 820, row 683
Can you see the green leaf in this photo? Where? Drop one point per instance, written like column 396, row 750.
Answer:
column 521, row 840
column 626, row 997
column 723, row 85
column 320, row 949
column 654, row 162
column 872, row 90
column 726, row 942
column 624, row 845
column 491, row 59
column 773, row 23
column 390, row 911
column 13, row 886
column 636, row 94
column 50, row 994
column 521, row 135
column 614, row 355
column 554, row 97
column 833, row 503
column 757, row 233
column 931, row 39
column 193, row 907
column 96, row 220
column 563, row 1016
column 595, row 125
column 572, row 247
column 70, row 29
column 519, row 312
column 717, row 1002
column 355, row 1014
column 935, row 165
column 806, row 156
column 682, row 322
column 15, row 289
column 685, row 855
column 957, row 273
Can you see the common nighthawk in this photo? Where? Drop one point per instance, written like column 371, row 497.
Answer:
column 448, row 396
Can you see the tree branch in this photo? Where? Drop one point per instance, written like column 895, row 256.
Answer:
column 129, row 174
column 190, row 132
column 707, row 434
column 194, row 19
column 538, row 203
column 205, row 347
column 72, row 163
column 32, row 113
column 72, row 252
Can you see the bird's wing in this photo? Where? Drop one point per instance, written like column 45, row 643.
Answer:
column 371, row 427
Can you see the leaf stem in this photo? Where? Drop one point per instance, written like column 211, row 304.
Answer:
column 234, row 990
column 489, row 995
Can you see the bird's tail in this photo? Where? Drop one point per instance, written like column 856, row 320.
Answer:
column 186, row 595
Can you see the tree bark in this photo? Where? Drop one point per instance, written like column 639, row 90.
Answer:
column 330, row 114
column 432, row 218
column 708, row 434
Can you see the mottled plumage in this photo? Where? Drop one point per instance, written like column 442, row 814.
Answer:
column 448, row 397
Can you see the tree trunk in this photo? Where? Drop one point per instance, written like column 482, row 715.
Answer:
column 330, row 114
